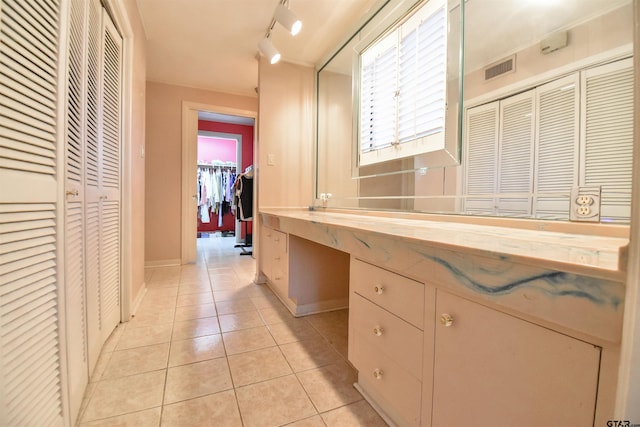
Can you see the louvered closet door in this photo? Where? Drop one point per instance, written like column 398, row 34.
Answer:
column 110, row 155
column 92, row 179
column 102, row 179
column 607, row 142
column 481, row 161
column 30, row 390
column 75, row 289
column 557, row 143
column 515, row 155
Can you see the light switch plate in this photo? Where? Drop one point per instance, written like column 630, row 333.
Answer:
column 271, row 159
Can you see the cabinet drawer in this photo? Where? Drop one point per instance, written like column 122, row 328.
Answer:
column 388, row 334
column 399, row 295
column 393, row 388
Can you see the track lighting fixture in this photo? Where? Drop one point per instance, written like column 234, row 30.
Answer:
column 288, row 20
column 267, row 49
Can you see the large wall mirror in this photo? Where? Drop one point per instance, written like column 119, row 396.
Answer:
column 541, row 104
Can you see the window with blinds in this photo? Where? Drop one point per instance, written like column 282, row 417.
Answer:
column 403, row 87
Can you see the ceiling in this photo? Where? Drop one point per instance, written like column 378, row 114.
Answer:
column 212, row 44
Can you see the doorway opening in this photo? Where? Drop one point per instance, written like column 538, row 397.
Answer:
column 224, row 152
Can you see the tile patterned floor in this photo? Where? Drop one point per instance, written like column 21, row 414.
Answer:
column 207, row 347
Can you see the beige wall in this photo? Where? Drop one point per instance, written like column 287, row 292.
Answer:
column 137, row 142
column 285, row 130
column 163, row 162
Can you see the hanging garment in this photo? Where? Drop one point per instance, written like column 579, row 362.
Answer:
column 244, row 192
column 204, row 214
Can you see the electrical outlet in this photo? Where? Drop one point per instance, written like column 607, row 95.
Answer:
column 585, row 204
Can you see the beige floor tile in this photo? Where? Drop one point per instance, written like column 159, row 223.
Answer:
column 331, row 386
column 101, row 365
column 195, row 328
column 276, row 314
column 196, row 350
column 125, row 395
column 231, row 294
column 151, row 317
column 161, row 292
column 158, row 303
column 114, row 338
column 163, row 284
column 292, row 330
column 148, row 335
column 260, row 365
column 189, row 312
column 193, row 288
column 147, row 418
column 235, row 306
column 274, row 402
column 223, row 285
column 310, row 354
column 197, row 379
column 247, row 340
column 315, row 421
column 195, row 299
column 214, row 410
column 242, row 320
column 267, row 301
column 137, row 360
column 88, row 392
column 354, row 415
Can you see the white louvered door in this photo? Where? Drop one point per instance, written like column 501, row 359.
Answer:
column 75, row 134
column 557, row 143
column 110, row 137
column 30, row 383
column 607, row 136
column 92, row 179
column 103, row 160
column 481, row 158
column 515, row 154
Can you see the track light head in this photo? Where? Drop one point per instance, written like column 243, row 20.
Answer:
column 268, row 50
column 287, row 19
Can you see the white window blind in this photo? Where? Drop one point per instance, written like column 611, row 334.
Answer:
column 403, row 87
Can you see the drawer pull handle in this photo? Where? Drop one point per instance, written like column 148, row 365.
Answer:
column 378, row 289
column 277, row 258
column 377, row 374
column 446, row 319
column 377, row 331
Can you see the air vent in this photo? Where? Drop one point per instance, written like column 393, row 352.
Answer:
column 504, row 66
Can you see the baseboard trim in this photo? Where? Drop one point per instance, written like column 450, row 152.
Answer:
column 139, row 298
column 163, row 263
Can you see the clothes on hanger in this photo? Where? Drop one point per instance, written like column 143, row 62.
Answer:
column 244, row 195
column 214, row 191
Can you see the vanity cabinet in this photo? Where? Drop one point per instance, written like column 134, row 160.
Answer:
column 386, row 321
column 306, row 276
column 427, row 357
column 275, row 261
column 493, row 369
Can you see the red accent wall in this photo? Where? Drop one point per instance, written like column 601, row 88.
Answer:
column 228, row 221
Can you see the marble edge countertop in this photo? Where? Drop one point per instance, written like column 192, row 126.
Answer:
column 589, row 255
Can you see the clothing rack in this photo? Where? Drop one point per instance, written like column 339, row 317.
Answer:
column 247, row 241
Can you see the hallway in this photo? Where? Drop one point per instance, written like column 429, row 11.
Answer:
column 207, row 347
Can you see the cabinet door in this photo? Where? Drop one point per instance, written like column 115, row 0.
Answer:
column 492, row 369
column 607, row 136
